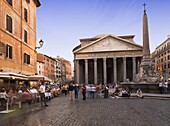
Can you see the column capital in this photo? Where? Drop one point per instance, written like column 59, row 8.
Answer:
column 95, row 59
column 86, row 60
column 104, row 59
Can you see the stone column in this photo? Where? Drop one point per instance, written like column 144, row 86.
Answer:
column 104, row 70
column 77, row 71
column 95, row 71
column 124, row 68
column 115, row 70
column 86, row 71
column 134, row 67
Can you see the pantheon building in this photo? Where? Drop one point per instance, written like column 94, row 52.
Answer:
column 106, row 59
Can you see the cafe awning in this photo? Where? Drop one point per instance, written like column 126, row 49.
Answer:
column 39, row 78
column 12, row 76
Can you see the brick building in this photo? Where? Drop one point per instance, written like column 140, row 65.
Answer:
column 46, row 66
column 40, row 64
column 161, row 58
column 18, row 36
column 66, row 70
column 58, row 71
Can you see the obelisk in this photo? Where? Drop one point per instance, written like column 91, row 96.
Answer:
column 146, row 50
column 146, row 73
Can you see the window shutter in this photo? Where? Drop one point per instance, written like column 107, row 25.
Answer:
column 6, row 50
column 2, row 48
column 25, row 57
column 28, row 59
column 25, row 14
column 10, row 52
column 25, row 36
column 9, row 2
column 9, row 23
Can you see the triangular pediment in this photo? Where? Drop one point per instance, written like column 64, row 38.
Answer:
column 108, row 44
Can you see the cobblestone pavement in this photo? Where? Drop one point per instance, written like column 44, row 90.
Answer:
column 92, row 112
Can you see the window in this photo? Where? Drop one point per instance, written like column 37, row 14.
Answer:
column 25, row 15
column 28, row 1
column 9, row 51
column 9, row 2
column 26, row 58
column 168, row 57
column 9, row 23
column 25, row 36
column 169, row 65
column 164, row 66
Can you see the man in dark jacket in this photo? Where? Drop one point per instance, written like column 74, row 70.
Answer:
column 71, row 88
column 84, row 91
column 76, row 90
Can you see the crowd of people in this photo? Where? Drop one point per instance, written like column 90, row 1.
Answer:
column 98, row 90
column 24, row 94
column 46, row 92
column 163, row 87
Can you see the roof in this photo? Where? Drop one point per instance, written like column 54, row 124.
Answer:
column 103, row 36
column 37, row 2
column 77, row 47
column 163, row 43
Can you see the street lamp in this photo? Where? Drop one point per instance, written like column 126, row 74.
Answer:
column 41, row 42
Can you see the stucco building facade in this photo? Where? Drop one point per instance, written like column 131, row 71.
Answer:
column 66, row 70
column 18, row 36
column 106, row 59
column 161, row 58
column 18, row 56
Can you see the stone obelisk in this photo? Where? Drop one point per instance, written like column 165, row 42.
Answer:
column 146, row 73
column 146, row 50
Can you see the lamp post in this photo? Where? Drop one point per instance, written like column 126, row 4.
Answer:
column 41, row 42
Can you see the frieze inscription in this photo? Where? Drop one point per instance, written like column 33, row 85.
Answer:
column 108, row 55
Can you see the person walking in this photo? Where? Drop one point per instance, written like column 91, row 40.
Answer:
column 165, row 86
column 161, row 87
column 3, row 97
column 42, row 94
column 84, row 91
column 76, row 90
column 71, row 88
column 106, row 91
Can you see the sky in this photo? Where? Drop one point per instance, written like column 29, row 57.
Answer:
column 61, row 23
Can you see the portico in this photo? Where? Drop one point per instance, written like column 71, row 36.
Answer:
column 107, row 60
